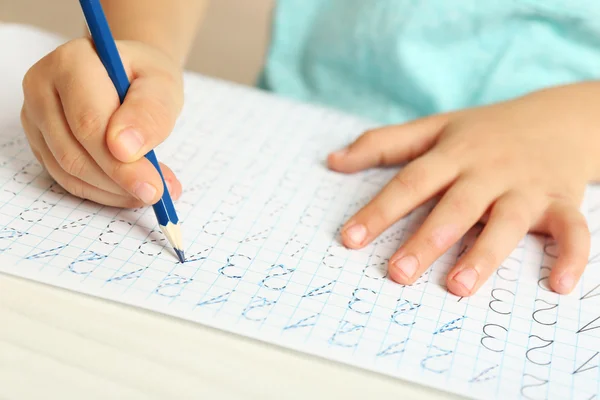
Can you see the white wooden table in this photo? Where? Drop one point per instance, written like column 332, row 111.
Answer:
column 55, row 344
column 59, row 344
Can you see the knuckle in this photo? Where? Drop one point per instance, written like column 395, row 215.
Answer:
column 564, row 197
column 462, row 205
column 63, row 55
column 28, row 81
column 73, row 164
column 88, row 125
column 132, row 202
column 487, row 257
column 441, row 238
column 431, row 243
column 33, row 88
column 379, row 216
column 518, row 219
column 116, row 171
column 375, row 216
column 68, row 62
column 74, row 186
column 77, row 189
column 407, row 181
column 66, row 53
column 368, row 138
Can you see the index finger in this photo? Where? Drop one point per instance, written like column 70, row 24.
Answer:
column 418, row 182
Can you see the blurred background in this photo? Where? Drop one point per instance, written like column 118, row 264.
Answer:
column 231, row 43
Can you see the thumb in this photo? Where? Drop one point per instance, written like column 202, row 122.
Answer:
column 146, row 117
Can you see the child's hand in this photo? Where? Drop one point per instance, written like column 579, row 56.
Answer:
column 91, row 146
column 520, row 165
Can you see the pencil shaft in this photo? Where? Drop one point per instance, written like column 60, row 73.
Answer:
column 109, row 55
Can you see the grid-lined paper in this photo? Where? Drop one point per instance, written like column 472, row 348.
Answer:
column 261, row 215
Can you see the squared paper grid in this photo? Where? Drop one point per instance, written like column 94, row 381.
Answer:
column 261, row 215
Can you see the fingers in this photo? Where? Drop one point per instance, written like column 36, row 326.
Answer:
column 146, row 117
column 389, row 145
column 458, row 210
column 509, row 221
column 82, row 189
column 88, row 101
column 416, row 183
column 71, row 184
column 66, row 118
column 173, row 184
column 44, row 109
column 32, row 134
column 569, row 228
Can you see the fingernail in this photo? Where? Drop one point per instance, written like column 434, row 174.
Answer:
column 145, row 192
column 407, row 265
column 566, row 282
column 467, row 278
column 131, row 142
column 356, row 234
column 169, row 186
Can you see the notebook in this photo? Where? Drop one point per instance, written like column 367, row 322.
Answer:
column 261, row 216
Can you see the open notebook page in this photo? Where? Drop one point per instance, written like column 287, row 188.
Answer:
column 261, row 215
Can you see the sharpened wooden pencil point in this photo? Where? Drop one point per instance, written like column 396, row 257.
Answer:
column 173, row 233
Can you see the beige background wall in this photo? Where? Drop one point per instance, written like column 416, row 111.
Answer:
column 231, row 42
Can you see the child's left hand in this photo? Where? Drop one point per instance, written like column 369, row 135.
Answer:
column 520, row 165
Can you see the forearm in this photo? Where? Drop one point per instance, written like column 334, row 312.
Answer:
column 169, row 25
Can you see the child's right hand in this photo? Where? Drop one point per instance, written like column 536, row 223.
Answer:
column 93, row 147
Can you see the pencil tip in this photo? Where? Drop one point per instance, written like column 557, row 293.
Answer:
column 173, row 234
column 180, row 255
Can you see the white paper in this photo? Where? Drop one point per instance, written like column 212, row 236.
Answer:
column 261, row 214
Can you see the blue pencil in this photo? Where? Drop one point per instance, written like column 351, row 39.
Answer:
column 107, row 51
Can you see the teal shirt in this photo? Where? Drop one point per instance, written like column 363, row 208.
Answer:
column 396, row 60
